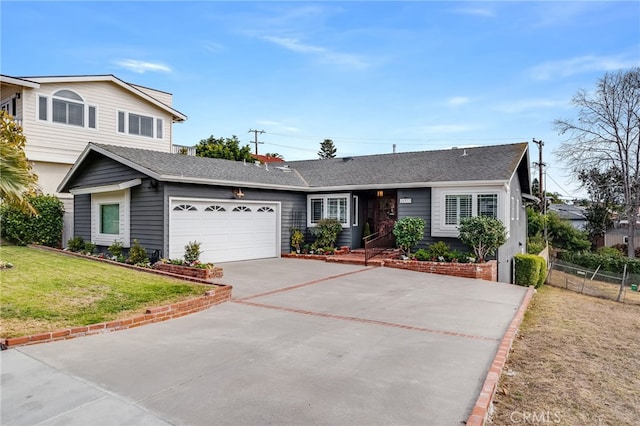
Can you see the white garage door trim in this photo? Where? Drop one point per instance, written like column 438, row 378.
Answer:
column 249, row 232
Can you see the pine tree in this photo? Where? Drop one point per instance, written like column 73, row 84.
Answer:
column 327, row 149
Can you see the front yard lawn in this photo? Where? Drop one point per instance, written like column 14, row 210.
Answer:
column 47, row 291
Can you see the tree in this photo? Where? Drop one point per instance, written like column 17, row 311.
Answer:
column 408, row 232
column 225, row 148
column 274, row 155
column 605, row 192
column 16, row 178
column 482, row 233
column 327, row 149
column 606, row 135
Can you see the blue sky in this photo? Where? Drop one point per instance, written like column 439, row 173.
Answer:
column 421, row 75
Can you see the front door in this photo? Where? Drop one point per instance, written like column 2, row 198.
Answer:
column 382, row 211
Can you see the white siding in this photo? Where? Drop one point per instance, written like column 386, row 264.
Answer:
column 54, row 142
column 164, row 97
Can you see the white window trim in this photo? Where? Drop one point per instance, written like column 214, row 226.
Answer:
column 325, row 206
column 355, row 208
column 154, row 125
column 438, row 210
column 123, row 198
column 49, row 98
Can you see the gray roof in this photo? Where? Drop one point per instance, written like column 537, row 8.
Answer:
column 496, row 163
column 487, row 163
column 568, row 211
column 167, row 166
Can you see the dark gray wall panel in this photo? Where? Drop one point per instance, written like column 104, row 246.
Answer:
column 147, row 218
column 420, row 207
column 99, row 171
column 82, row 216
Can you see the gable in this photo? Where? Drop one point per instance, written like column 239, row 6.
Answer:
column 98, row 170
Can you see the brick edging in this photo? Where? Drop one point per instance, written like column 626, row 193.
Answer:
column 161, row 313
column 480, row 409
column 128, row 266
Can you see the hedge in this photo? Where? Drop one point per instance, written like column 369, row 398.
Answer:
column 531, row 270
column 46, row 228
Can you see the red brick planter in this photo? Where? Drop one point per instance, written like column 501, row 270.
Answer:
column 203, row 274
column 485, row 271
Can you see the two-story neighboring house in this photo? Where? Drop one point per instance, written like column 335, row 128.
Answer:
column 60, row 115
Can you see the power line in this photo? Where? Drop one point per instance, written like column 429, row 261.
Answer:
column 566, row 193
column 385, row 141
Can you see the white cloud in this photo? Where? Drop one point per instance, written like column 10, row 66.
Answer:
column 322, row 53
column 142, row 66
column 476, row 11
column 213, row 47
column 582, row 64
column 458, row 100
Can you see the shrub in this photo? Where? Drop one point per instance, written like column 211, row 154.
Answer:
column 529, row 269
column 326, row 232
column 44, row 228
column 115, row 249
column 422, row 255
column 137, row 254
column 438, row 250
column 76, row 244
column 484, row 234
column 609, row 252
column 408, row 232
column 297, row 238
column 535, row 245
column 192, row 252
column 88, row 248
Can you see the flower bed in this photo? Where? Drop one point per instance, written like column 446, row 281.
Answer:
column 485, row 271
column 190, row 271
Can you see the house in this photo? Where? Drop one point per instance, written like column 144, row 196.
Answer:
column 575, row 215
column 241, row 211
column 59, row 115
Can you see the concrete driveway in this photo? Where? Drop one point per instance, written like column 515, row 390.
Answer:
column 303, row 342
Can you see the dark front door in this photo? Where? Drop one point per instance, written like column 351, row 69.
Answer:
column 382, row 211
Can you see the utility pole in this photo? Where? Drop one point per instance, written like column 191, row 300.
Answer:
column 255, row 132
column 541, row 165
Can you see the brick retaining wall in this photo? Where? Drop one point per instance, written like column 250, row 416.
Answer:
column 161, row 313
column 485, row 271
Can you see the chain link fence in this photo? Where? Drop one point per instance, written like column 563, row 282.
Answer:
column 603, row 284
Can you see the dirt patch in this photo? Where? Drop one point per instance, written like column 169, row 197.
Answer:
column 576, row 361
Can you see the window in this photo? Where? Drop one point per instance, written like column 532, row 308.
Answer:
column 159, row 124
column 241, row 209
column 265, row 209
column 42, row 108
column 140, row 125
column 92, row 117
column 450, row 205
column 110, row 219
column 328, row 206
column 67, row 107
column 457, row 207
column 317, row 209
column 487, row 205
column 215, row 209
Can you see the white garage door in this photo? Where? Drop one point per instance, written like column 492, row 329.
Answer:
column 227, row 230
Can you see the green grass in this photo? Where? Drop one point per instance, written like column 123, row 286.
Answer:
column 46, row 291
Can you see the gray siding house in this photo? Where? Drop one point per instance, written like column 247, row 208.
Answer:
column 241, row 211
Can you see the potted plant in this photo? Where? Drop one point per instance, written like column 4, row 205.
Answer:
column 297, row 238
